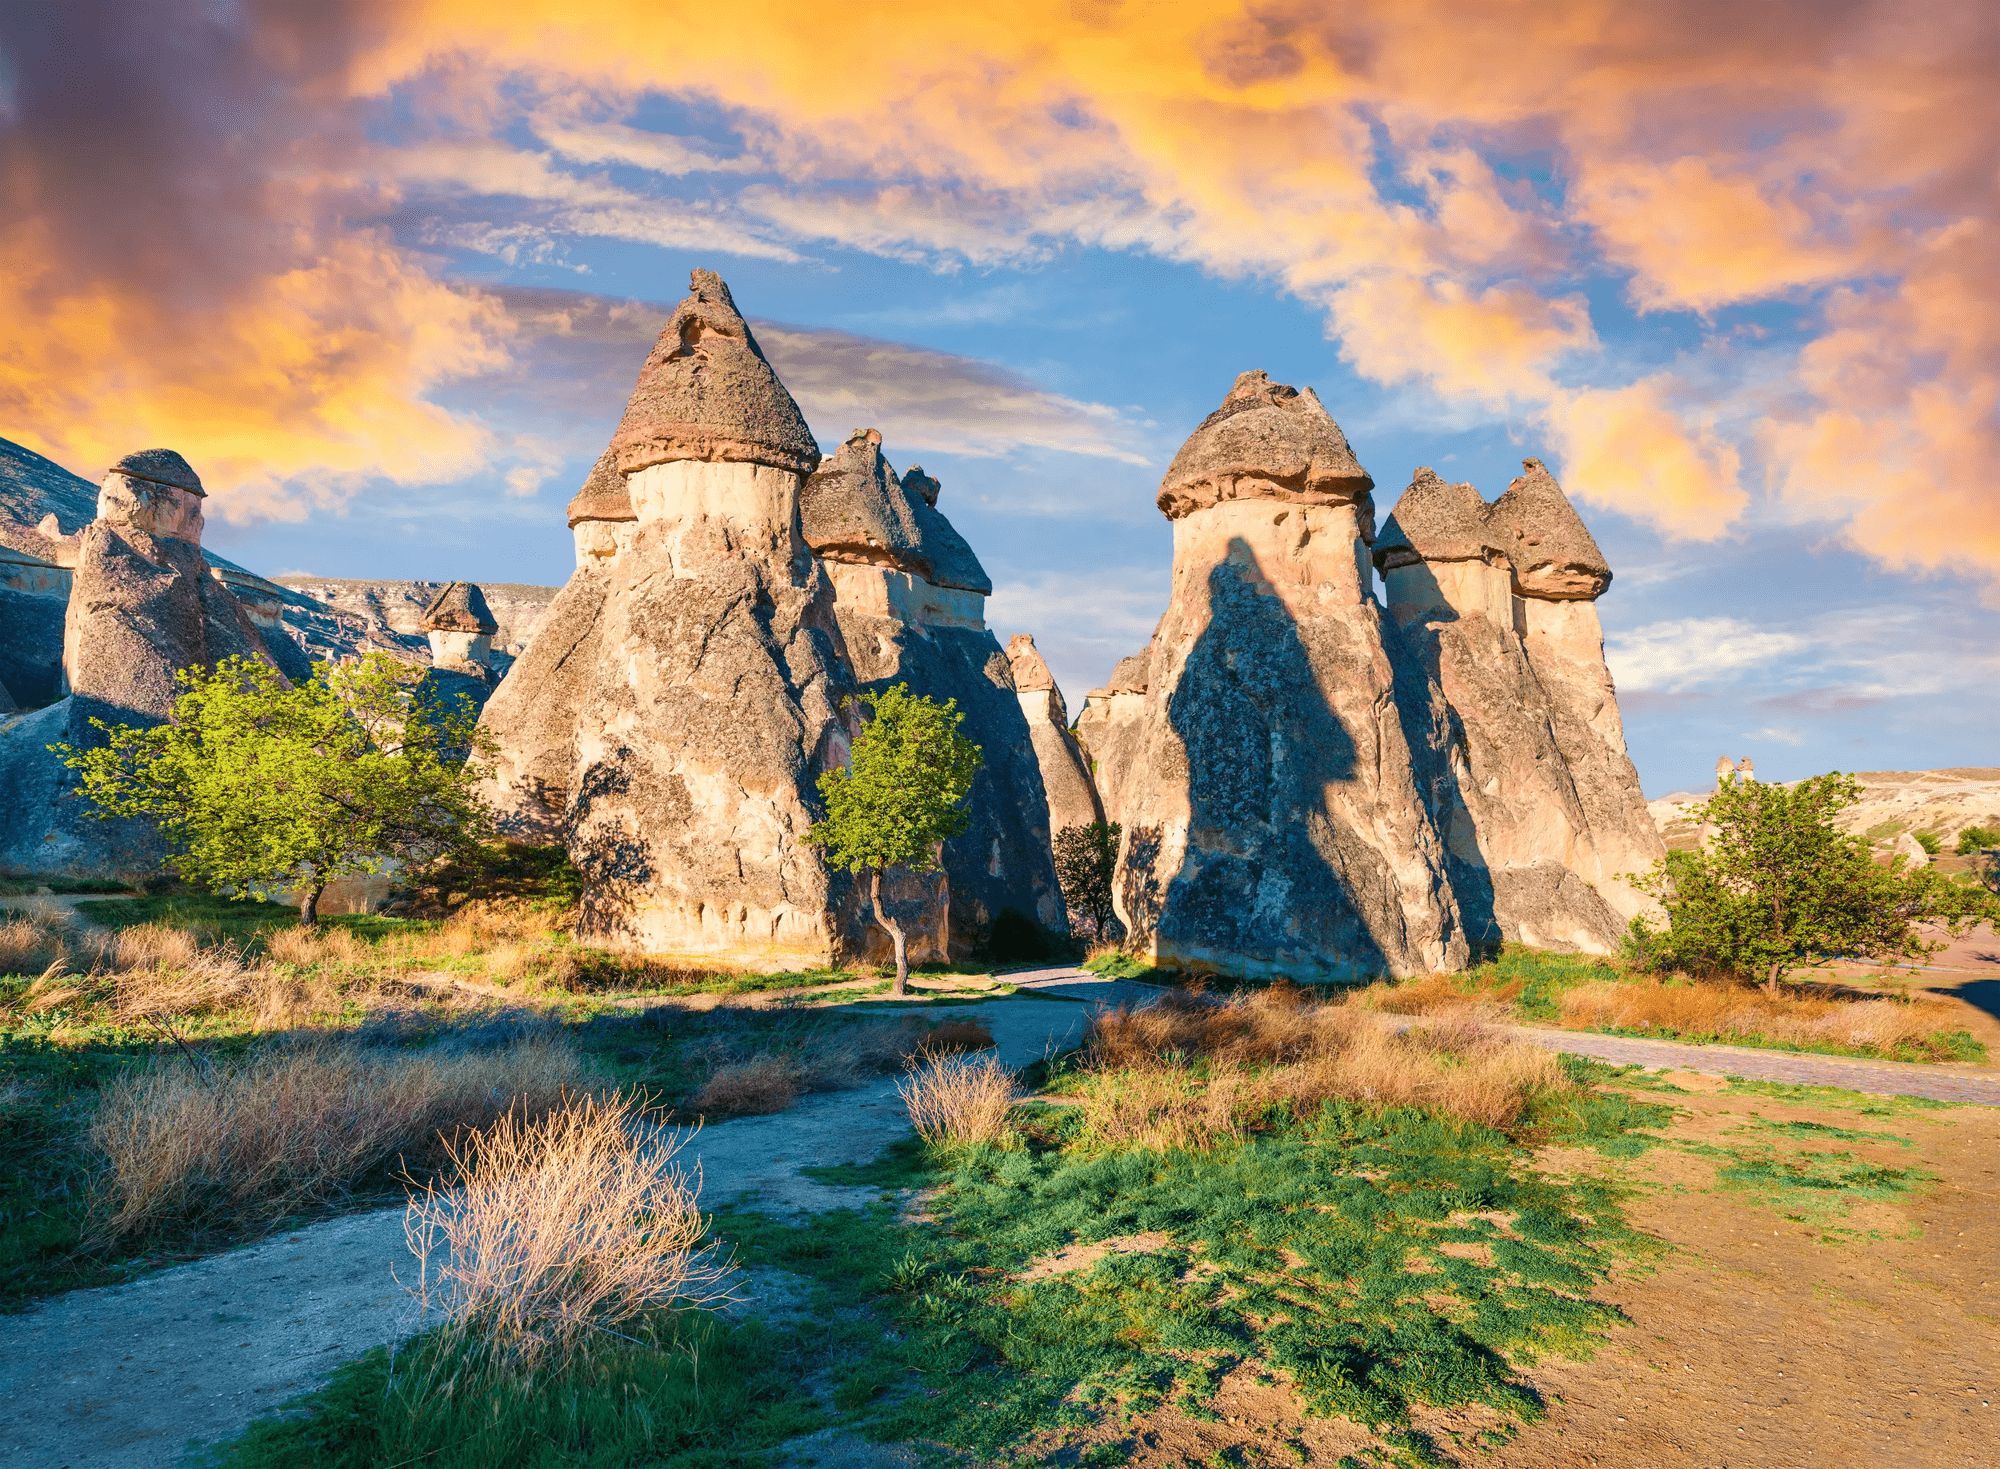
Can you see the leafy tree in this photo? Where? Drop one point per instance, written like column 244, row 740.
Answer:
column 1778, row 887
column 899, row 798
column 253, row 782
column 1977, row 838
column 1086, row 859
column 1928, row 840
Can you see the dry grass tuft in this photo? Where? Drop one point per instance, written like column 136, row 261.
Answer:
column 245, row 1144
column 956, row 1099
column 1185, row 1072
column 1713, row 1008
column 35, row 942
column 549, row 1229
column 760, row 1085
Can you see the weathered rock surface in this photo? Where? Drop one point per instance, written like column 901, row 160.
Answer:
column 701, row 668
column 909, row 599
column 1065, row 768
column 142, row 605
column 1274, row 822
column 34, row 596
column 1522, row 850
column 1112, row 731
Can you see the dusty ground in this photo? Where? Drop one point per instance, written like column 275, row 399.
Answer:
column 1773, row 1333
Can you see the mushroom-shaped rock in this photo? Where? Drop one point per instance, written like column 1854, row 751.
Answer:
column 854, row 510
column 1267, row 439
column 161, row 467
column 603, row 496
column 460, row 607
column 707, row 393
column 1435, row 521
column 1554, row 555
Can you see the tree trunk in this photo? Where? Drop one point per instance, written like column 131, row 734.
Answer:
column 902, row 986
column 309, row 909
column 944, row 908
column 1771, row 981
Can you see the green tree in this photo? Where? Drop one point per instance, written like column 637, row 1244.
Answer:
column 1778, row 887
column 899, row 798
column 253, row 782
column 1977, row 838
column 1086, row 861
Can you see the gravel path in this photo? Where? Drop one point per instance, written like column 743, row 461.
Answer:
column 124, row 1376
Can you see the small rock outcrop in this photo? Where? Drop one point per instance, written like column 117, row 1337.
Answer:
column 702, row 680
column 142, row 605
column 1065, row 768
column 1112, row 731
column 1274, row 822
column 909, row 596
column 460, row 628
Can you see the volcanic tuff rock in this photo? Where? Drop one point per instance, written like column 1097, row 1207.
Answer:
column 1065, row 768
column 1112, row 731
column 910, row 600
column 1516, row 833
column 142, row 605
column 1274, row 823
column 702, row 671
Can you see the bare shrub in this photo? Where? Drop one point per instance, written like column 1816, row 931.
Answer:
column 545, row 1230
column 1722, row 1009
column 762, row 1084
column 956, row 1099
column 246, row 1143
column 1184, row 1072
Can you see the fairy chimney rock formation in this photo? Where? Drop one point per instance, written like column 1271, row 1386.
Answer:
column 601, row 516
column 1065, row 771
column 1546, row 818
column 1111, row 730
column 142, row 606
column 701, row 673
column 909, row 596
column 1273, row 817
column 460, row 627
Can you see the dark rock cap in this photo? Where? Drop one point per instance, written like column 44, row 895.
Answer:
column 162, row 467
column 460, row 607
column 1554, row 555
column 1435, row 521
column 706, row 393
column 854, row 509
column 603, row 496
column 1268, row 432
column 916, row 482
column 1133, row 674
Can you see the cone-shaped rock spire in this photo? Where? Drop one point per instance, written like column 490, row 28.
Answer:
column 1435, row 521
column 854, row 509
column 706, row 393
column 1266, row 439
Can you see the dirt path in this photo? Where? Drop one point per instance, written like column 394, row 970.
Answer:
column 123, row 1377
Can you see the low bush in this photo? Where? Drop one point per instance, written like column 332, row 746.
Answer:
column 239, row 1144
column 544, row 1230
column 955, row 1099
column 764, row 1071
column 1977, row 839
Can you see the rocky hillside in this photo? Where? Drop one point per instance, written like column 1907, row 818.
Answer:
column 1894, row 804
column 390, row 611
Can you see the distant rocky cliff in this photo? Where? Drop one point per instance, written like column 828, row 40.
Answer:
column 1895, row 805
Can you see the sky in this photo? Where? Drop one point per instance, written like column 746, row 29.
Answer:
column 385, row 273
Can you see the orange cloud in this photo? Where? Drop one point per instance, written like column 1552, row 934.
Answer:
column 1440, row 178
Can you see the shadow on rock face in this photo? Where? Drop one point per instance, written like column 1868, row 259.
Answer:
column 1267, row 875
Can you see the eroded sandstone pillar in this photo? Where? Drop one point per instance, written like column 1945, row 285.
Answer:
column 1273, row 819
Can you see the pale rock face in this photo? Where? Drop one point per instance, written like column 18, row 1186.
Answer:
column 1275, row 821
column 1111, row 730
column 1912, row 850
column 451, row 648
column 1542, row 820
column 161, row 510
column 1065, row 772
column 909, row 596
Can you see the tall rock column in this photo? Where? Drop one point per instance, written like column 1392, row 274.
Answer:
column 1274, row 823
column 1065, row 768
column 910, row 599
column 1112, row 730
column 711, row 704
column 142, row 606
column 1522, row 851
column 1558, row 575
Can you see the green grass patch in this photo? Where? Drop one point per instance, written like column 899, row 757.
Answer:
column 243, row 919
column 1958, row 1047
column 1120, row 965
column 16, row 887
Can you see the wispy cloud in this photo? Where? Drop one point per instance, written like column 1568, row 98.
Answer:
column 1687, row 652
